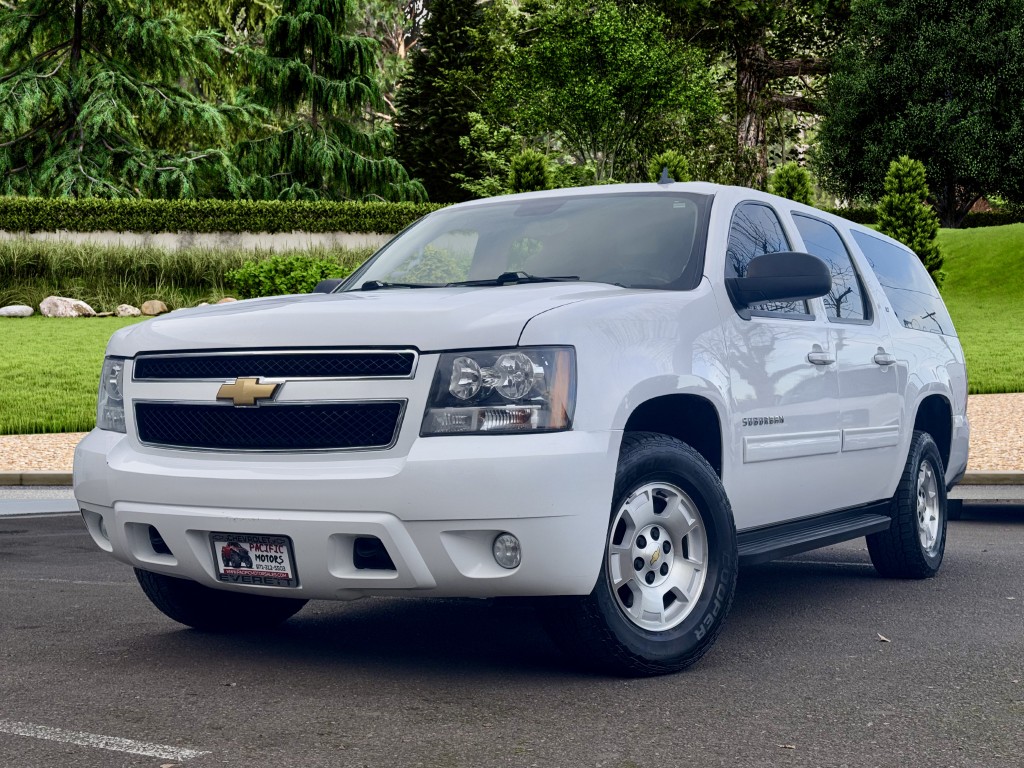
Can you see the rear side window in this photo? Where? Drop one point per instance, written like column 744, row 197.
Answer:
column 845, row 302
column 755, row 231
column 906, row 283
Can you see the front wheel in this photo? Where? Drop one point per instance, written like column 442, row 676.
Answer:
column 669, row 569
column 215, row 610
column 913, row 546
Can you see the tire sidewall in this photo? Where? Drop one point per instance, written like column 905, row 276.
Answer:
column 692, row 475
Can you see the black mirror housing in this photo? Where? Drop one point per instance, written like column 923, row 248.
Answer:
column 784, row 276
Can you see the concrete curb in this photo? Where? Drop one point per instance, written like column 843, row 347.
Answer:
column 1013, row 477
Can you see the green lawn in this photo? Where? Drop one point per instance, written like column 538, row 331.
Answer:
column 51, row 372
column 984, row 291
column 51, row 366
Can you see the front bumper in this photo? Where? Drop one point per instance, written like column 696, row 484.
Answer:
column 436, row 510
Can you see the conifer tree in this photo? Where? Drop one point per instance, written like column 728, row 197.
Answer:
column 904, row 214
column 92, row 102
column 791, row 181
column 319, row 79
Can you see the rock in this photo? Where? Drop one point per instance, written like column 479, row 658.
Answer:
column 17, row 310
column 104, row 314
column 226, row 300
column 203, row 304
column 154, row 307
column 58, row 306
column 127, row 310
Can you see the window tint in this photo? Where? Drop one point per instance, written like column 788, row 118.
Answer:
column 846, row 299
column 906, row 283
column 755, row 231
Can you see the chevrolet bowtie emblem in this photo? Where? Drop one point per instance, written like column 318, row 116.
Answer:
column 655, row 557
column 247, row 391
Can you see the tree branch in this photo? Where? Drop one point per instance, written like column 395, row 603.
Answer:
column 795, row 103
column 776, row 68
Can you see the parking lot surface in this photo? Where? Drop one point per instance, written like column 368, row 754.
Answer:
column 822, row 664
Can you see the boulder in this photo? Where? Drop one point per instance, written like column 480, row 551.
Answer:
column 127, row 310
column 104, row 314
column 154, row 307
column 17, row 310
column 59, row 306
column 226, row 300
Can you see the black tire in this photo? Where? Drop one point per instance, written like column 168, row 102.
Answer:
column 901, row 551
column 215, row 610
column 595, row 629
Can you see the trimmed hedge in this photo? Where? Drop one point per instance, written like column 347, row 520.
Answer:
column 31, row 214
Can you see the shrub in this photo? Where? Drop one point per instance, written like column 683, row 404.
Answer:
column 283, row 274
column 792, row 182
column 678, row 168
column 529, row 172
column 904, row 215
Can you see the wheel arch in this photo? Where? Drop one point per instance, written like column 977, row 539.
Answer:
column 934, row 415
column 692, row 418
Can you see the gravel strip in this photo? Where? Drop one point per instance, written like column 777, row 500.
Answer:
column 997, row 440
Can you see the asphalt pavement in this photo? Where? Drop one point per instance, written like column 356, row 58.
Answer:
column 822, row 663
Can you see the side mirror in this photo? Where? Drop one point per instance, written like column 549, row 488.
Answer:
column 329, row 286
column 785, row 276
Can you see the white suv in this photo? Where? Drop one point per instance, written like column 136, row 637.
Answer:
column 609, row 398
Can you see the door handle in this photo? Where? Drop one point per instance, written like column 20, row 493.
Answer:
column 883, row 358
column 820, row 358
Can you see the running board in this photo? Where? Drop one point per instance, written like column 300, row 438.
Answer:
column 764, row 544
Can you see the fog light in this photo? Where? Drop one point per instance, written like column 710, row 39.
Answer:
column 507, row 552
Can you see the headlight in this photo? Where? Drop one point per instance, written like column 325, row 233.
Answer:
column 110, row 408
column 502, row 391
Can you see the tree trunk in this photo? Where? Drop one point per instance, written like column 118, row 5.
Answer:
column 751, row 133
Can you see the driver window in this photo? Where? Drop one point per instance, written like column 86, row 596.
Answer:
column 755, row 231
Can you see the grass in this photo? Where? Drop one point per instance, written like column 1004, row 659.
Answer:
column 52, row 372
column 984, row 291
column 52, row 366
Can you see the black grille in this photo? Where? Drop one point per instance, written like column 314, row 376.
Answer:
column 291, row 365
column 272, row 427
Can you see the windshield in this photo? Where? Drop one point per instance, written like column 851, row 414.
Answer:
column 636, row 240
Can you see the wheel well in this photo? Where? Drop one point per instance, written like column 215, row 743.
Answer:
column 935, row 417
column 689, row 418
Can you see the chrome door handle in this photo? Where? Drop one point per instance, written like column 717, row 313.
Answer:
column 820, row 358
column 884, row 358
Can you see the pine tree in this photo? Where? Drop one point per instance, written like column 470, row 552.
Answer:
column 318, row 80
column 675, row 162
column 904, row 214
column 436, row 97
column 791, row 181
column 529, row 172
column 94, row 102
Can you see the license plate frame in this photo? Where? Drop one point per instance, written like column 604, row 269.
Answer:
column 254, row 559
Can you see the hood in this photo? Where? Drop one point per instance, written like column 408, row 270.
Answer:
column 428, row 319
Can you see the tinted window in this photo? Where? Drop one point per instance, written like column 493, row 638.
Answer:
column 906, row 283
column 755, row 231
column 846, row 299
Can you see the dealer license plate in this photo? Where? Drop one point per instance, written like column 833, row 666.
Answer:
column 252, row 558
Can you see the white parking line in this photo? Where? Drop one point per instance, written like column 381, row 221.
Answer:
column 97, row 741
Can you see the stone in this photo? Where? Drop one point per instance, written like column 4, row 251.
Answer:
column 203, row 304
column 104, row 314
column 154, row 307
column 59, row 306
column 127, row 310
column 17, row 310
column 226, row 300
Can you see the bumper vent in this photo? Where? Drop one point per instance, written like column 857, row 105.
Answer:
column 270, row 427
column 280, row 365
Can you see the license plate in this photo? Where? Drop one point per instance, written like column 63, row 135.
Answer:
column 252, row 558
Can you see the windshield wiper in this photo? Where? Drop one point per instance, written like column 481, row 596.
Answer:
column 376, row 285
column 511, row 278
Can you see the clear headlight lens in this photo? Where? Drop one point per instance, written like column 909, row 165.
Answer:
column 110, row 408
column 502, row 391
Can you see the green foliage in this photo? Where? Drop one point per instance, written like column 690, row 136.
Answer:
column 278, row 275
column 792, row 181
column 20, row 214
column 606, row 79
column 529, row 172
column 904, row 214
column 675, row 162
column 937, row 80
column 489, row 150
column 105, row 276
column 442, row 88
column 317, row 79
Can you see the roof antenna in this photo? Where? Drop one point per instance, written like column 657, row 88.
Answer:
column 665, row 178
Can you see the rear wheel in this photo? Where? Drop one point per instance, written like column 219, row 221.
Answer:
column 669, row 569
column 215, row 610
column 913, row 546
